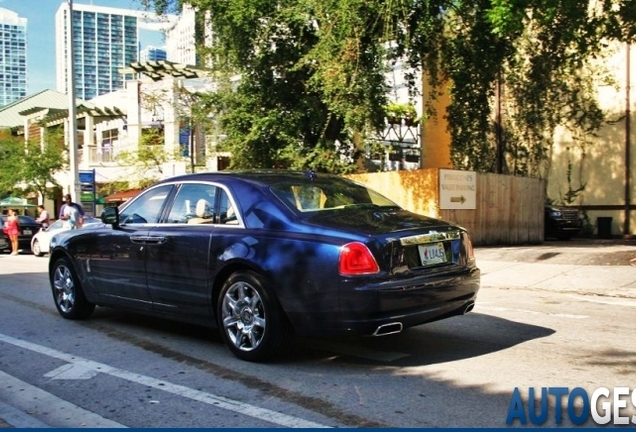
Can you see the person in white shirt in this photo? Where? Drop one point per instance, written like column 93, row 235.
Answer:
column 72, row 212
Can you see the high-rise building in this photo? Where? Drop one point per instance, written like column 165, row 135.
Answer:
column 192, row 29
column 105, row 40
column 13, row 57
column 152, row 53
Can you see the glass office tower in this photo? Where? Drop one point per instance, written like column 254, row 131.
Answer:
column 13, row 57
column 105, row 40
column 152, row 53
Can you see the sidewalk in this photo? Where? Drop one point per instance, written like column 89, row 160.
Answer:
column 581, row 266
column 11, row 417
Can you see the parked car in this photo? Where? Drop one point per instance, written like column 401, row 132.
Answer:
column 28, row 227
column 41, row 240
column 264, row 255
column 4, row 243
column 562, row 222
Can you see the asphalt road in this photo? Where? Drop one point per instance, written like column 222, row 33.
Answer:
column 119, row 369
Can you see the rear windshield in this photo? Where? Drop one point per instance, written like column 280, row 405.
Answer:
column 327, row 194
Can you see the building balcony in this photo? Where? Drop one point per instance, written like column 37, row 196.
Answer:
column 95, row 156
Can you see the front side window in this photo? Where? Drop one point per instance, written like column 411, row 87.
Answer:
column 146, row 208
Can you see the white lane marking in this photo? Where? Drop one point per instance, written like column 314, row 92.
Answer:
column 207, row 398
column 73, row 371
column 505, row 309
column 614, row 301
column 30, row 403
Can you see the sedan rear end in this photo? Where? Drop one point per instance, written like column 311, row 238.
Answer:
column 395, row 269
column 427, row 277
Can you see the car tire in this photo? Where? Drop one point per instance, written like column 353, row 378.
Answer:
column 252, row 322
column 68, row 294
column 35, row 248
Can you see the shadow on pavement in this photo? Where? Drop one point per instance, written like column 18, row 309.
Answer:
column 457, row 338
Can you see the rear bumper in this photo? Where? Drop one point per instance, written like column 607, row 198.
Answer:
column 394, row 303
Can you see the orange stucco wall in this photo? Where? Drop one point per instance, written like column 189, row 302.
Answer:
column 435, row 137
column 414, row 190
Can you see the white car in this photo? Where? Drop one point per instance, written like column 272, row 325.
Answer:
column 41, row 241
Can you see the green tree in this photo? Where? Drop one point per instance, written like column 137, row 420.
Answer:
column 313, row 73
column 148, row 159
column 32, row 166
column 11, row 149
column 41, row 161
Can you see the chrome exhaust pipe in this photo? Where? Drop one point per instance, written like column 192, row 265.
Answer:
column 387, row 329
column 469, row 307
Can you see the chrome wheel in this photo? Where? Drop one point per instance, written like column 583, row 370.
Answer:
column 63, row 289
column 253, row 324
column 243, row 316
column 68, row 294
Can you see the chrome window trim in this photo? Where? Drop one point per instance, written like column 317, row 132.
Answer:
column 239, row 215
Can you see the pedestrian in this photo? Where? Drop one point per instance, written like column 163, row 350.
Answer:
column 72, row 212
column 12, row 230
column 44, row 219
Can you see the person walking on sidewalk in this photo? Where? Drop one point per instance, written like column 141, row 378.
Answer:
column 44, row 219
column 12, row 230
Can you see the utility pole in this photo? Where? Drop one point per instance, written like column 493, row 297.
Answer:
column 628, row 143
column 191, row 139
column 72, row 115
column 498, row 126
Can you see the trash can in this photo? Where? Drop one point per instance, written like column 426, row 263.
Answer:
column 604, row 227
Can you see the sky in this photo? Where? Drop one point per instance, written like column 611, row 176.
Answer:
column 40, row 15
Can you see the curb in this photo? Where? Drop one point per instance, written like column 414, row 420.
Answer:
column 11, row 417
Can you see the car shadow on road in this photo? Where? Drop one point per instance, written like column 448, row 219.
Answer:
column 443, row 341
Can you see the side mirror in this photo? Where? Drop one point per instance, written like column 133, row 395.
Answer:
column 110, row 216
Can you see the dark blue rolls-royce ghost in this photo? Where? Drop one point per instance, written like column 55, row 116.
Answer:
column 265, row 255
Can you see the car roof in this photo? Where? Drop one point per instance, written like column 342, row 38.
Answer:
column 268, row 176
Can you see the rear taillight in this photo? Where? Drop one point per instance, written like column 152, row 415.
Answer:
column 356, row 259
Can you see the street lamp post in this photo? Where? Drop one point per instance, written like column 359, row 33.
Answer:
column 191, row 138
column 72, row 115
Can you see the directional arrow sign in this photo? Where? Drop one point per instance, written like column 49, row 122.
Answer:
column 457, row 190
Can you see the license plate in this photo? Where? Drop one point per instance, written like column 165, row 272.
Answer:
column 432, row 254
column 27, row 232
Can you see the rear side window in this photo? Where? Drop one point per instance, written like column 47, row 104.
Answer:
column 194, row 204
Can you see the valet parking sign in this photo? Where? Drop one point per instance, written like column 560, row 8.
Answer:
column 457, row 190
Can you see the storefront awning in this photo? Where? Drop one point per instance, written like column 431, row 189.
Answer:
column 123, row 196
column 15, row 202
